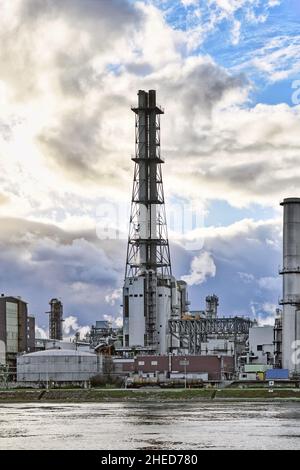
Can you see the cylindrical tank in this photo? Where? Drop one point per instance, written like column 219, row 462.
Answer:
column 291, row 285
column 58, row 365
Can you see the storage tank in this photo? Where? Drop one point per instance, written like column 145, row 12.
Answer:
column 291, row 285
column 58, row 365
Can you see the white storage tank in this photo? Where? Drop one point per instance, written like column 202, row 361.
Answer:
column 58, row 365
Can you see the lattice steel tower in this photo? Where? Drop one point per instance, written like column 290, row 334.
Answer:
column 148, row 282
column 148, row 246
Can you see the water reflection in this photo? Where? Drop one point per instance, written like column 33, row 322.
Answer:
column 180, row 425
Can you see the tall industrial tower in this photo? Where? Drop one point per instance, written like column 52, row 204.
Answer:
column 56, row 319
column 291, row 285
column 151, row 294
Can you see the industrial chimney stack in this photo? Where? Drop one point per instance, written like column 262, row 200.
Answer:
column 151, row 294
column 291, row 285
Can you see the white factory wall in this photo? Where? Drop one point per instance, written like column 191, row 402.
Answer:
column 2, row 353
column 58, row 365
column 136, row 320
column 261, row 344
column 163, row 315
column 217, row 346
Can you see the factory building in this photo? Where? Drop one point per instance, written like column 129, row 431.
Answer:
column 58, row 366
column 17, row 330
column 102, row 334
column 291, row 286
column 151, row 294
column 212, row 368
column 261, row 345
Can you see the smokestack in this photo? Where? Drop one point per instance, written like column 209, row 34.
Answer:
column 291, row 285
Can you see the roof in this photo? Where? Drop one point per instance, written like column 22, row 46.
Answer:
column 60, row 352
column 290, row 200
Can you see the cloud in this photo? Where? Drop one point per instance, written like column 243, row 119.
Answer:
column 40, row 333
column 278, row 59
column 270, row 283
column 113, row 296
column 202, row 19
column 116, row 321
column 71, row 326
column 41, row 261
column 74, row 131
column 246, row 255
column 265, row 313
column 67, row 132
column 202, row 267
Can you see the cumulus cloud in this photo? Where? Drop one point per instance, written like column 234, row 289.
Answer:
column 71, row 326
column 115, row 321
column 41, row 261
column 247, row 255
column 202, row 267
column 40, row 333
column 66, row 135
column 264, row 313
column 72, row 131
column 113, row 297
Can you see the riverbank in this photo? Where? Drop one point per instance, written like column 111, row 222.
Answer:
column 122, row 395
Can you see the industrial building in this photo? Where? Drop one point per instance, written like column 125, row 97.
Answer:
column 58, row 366
column 17, row 330
column 161, row 337
column 102, row 334
column 156, row 317
column 212, row 368
column 261, row 345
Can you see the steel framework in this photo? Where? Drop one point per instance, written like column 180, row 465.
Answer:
column 191, row 333
column 148, row 246
column 56, row 319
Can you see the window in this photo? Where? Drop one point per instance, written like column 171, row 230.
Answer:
column 153, row 363
column 12, row 327
column 126, row 306
column 126, row 340
column 141, row 363
column 259, row 347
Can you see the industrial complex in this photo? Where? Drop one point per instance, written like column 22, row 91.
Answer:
column 162, row 341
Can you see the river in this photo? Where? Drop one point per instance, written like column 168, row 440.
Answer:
column 172, row 425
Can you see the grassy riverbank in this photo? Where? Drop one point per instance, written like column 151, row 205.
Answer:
column 105, row 395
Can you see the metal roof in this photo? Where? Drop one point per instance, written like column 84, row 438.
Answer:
column 60, row 352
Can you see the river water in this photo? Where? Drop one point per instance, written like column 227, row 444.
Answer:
column 180, row 425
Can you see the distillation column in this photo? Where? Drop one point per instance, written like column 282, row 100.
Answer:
column 291, row 285
column 56, row 319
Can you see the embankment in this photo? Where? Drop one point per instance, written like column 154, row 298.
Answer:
column 111, row 395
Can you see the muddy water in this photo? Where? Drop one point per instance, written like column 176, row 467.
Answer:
column 179, row 425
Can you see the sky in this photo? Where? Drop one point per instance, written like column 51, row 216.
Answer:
column 227, row 73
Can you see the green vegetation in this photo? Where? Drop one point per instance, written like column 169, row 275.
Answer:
column 110, row 395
